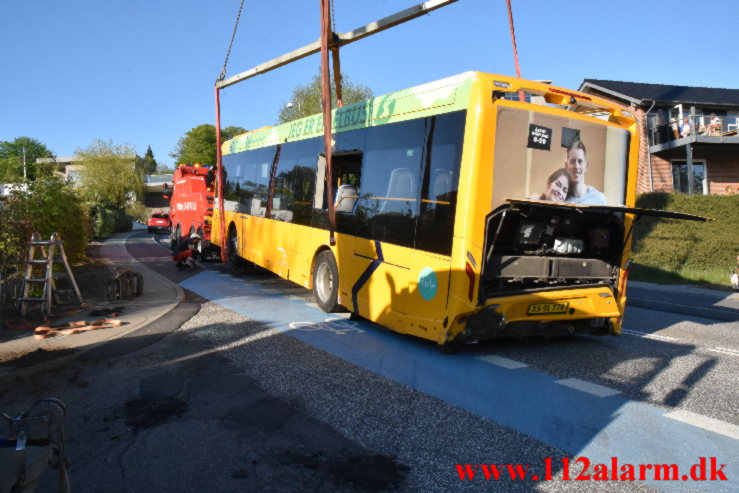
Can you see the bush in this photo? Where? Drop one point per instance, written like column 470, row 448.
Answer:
column 693, row 250
column 139, row 212
column 48, row 206
column 107, row 220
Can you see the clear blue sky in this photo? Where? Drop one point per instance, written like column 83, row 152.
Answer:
column 141, row 72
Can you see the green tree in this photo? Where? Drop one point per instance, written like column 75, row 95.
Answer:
column 306, row 99
column 199, row 144
column 108, row 174
column 11, row 160
column 149, row 165
column 45, row 206
column 163, row 169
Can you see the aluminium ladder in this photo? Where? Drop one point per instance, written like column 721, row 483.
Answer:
column 47, row 279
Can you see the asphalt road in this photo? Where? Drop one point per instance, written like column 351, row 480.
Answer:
column 259, row 391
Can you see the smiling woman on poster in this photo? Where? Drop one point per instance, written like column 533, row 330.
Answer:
column 558, row 186
column 576, row 166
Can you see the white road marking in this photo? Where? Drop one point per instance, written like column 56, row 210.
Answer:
column 721, row 350
column 706, row 423
column 590, row 388
column 337, row 326
column 650, row 336
column 504, row 362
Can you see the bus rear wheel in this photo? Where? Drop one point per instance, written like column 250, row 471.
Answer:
column 235, row 262
column 326, row 282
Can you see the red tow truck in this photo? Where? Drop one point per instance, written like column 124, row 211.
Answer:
column 191, row 207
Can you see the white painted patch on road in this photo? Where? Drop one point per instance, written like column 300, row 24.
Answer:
column 720, row 350
column 335, row 325
column 590, row 388
column 656, row 337
column 710, row 424
column 511, row 364
column 723, row 350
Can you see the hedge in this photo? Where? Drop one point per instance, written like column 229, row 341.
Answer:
column 107, row 220
column 47, row 206
column 670, row 250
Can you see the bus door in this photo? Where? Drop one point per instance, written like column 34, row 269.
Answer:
column 346, row 186
column 402, row 244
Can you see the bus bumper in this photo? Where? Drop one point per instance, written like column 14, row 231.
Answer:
column 583, row 311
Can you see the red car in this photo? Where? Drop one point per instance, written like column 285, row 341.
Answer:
column 159, row 221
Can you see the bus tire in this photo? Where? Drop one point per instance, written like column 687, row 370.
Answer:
column 326, row 282
column 235, row 262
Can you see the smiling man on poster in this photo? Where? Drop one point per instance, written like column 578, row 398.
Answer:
column 576, row 166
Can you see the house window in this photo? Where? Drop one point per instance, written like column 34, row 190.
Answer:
column 732, row 121
column 73, row 176
column 680, row 177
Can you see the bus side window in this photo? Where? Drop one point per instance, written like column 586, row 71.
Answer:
column 319, row 198
column 436, row 221
column 347, row 171
column 246, row 185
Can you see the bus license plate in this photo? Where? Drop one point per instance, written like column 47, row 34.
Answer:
column 547, row 308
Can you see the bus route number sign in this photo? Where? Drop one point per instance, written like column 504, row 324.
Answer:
column 547, row 308
column 540, row 137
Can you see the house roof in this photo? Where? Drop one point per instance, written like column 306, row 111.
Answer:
column 59, row 160
column 637, row 91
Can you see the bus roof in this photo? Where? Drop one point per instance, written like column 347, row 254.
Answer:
column 442, row 96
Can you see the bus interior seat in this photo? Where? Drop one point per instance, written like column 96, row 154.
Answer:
column 256, row 208
column 401, row 185
column 442, row 185
column 346, row 198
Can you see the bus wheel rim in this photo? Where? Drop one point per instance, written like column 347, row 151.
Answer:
column 324, row 282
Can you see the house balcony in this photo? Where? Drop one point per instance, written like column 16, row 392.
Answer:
column 671, row 136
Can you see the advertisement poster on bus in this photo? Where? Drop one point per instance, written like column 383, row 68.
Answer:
column 540, row 156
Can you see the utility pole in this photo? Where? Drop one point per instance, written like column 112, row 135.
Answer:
column 691, row 174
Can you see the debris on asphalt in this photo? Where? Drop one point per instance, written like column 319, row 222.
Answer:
column 107, row 312
column 70, row 328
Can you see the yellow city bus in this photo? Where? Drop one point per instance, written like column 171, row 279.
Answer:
column 462, row 213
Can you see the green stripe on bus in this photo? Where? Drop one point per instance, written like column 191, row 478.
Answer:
column 435, row 98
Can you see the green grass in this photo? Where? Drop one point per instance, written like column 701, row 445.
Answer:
column 713, row 278
column 669, row 251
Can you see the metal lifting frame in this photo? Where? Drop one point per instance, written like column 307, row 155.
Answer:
column 329, row 40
